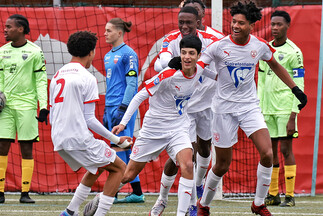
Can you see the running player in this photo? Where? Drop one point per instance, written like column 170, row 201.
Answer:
column 236, row 105
column 279, row 106
column 73, row 93
column 23, row 80
column 121, row 67
column 199, row 107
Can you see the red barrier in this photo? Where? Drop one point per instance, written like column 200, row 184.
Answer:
column 150, row 24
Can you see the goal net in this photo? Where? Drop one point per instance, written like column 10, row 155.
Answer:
column 50, row 28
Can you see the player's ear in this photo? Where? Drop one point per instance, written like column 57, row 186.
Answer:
column 198, row 22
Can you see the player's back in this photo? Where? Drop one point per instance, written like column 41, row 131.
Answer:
column 70, row 89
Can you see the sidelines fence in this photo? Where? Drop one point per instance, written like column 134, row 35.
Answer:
column 50, row 28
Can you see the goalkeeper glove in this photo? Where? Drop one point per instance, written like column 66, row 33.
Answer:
column 175, row 63
column 118, row 114
column 301, row 96
column 43, row 113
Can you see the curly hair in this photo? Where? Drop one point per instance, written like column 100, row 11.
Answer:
column 248, row 8
column 81, row 43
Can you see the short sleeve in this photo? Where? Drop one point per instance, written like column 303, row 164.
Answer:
column 91, row 93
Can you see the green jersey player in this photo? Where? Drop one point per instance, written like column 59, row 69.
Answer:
column 23, row 80
column 279, row 105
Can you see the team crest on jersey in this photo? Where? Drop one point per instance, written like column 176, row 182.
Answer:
column 165, row 44
column 238, row 74
column 253, row 53
column 181, row 102
column 116, row 59
column 281, row 56
column 24, row 56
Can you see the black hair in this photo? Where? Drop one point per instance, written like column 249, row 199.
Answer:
column 249, row 9
column 81, row 43
column 189, row 9
column 282, row 14
column 123, row 25
column 194, row 1
column 191, row 41
column 20, row 20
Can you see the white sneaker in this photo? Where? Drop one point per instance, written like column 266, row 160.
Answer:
column 158, row 208
column 91, row 207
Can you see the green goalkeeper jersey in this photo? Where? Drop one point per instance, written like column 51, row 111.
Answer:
column 274, row 95
column 23, row 77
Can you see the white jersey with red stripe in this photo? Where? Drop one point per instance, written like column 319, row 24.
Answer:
column 214, row 32
column 170, row 91
column 170, row 48
column 201, row 98
column 71, row 87
column 236, row 65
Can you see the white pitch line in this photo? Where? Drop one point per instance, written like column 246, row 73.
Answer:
column 165, row 213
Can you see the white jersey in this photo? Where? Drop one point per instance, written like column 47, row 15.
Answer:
column 170, row 91
column 201, row 99
column 236, row 65
column 170, row 48
column 71, row 87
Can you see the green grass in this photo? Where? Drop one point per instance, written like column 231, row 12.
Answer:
column 52, row 205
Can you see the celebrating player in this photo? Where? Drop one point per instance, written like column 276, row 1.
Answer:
column 199, row 107
column 23, row 80
column 121, row 67
column 279, row 106
column 236, row 105
column 73, row 93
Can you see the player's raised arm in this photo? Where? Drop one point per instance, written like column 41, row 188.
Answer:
column 285, row 77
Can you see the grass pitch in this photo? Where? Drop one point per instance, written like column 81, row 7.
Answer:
column 52, row 205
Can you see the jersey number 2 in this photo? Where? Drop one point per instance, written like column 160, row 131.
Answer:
column 58, row 98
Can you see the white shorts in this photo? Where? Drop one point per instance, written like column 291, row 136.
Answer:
column 99, row 154
column 146, row 149
column 201, row 124
column 225, row 126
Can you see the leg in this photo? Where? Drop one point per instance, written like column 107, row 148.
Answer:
column 273, row 197
column 166, row 182
column 132, row 170
column 4, row 149
column 186, row 182
column 262, row 141
column 286, row 147
column 203, row 159
column 222, row 165
column 27, row 169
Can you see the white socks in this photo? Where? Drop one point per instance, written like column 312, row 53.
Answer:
column 105, row 204
column 79, row 197
column 166, row 183
column 263, row 182
column 202, row 165
column 211, row 183
column 184, row 195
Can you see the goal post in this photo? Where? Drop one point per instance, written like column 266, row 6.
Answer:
column 217, row 17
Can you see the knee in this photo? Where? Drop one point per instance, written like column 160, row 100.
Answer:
column 285, row 151
column 187, row 167
column 267, row 157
